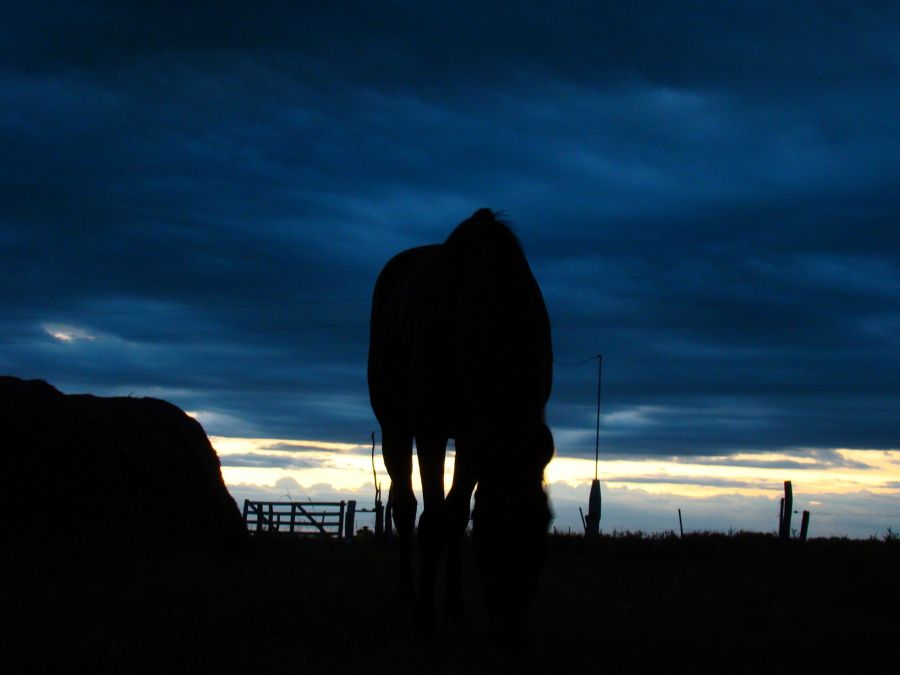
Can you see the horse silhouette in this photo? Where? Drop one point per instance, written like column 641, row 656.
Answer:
column 460, row 348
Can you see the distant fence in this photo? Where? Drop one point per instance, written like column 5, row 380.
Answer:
column 300, row 518
column 332, row 519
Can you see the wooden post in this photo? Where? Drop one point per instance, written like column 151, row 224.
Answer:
column 592, row 522
column 784, row 532
column 389, row 516
column 246, row 510
column 680, row 525
column 804, row 526
column 780, row 515
column 379, row 511
column 349, row 520
column 379, row 519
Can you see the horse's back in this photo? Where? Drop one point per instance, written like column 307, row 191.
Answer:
column 460, row 337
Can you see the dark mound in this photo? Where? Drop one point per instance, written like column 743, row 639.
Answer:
column 88, row 471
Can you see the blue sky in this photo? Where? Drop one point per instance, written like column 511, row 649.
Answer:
column 196, row 202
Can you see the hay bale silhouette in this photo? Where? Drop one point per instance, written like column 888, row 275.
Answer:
column 89, row 471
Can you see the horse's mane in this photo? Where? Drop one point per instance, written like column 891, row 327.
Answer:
column 483, row 226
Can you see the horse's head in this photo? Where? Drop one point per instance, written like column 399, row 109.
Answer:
column 510, row 523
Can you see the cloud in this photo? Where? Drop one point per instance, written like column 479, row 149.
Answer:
column 705, row 192
column 313, row 446
column 271, row 461
column 813, row 459
column 857, row 514
column 288, row 489
column 706, row 481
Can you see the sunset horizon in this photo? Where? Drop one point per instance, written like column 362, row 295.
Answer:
column 198, row 205
column 849, row 493
column 622, row 278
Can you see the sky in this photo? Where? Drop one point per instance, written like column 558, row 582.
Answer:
column 195, row 202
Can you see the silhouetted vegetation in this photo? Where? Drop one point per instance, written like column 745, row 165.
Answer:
column 626, row 603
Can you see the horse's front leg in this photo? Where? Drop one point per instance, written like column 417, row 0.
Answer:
column 431, row 452
column 457, row 510
column 397, row 452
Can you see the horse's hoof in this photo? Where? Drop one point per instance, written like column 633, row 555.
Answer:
column 425, row 619
column 454, row 610
column 511, row 635
column 406, row 592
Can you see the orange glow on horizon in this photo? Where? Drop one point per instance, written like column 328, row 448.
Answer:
column 348, row 467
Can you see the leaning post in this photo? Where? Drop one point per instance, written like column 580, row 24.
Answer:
column 784, row 531
column 804, row 526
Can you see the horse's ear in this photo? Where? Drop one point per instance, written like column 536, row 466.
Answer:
column 483, row 215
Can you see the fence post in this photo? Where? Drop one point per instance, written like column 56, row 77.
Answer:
column 389, row 515
column 680, row 526
column 379, row 519
column 784, row 531
column 349, row 519
column 804, row 526
column 592, row 522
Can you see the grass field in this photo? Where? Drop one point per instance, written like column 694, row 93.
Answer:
column 623, row 604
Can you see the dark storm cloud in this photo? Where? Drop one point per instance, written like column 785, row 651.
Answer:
column 201, row 198
column 293, row 446
column 268, row 461
column 815, row 459
column 694, row 480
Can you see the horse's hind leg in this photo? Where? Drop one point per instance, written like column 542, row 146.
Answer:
column 397, row 452
column 431, row 453
column 457, row 512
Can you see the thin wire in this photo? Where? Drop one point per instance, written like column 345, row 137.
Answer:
column 853, row 515
column 599, row 380
column 575, row 363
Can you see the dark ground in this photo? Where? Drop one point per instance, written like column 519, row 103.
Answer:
column 709, row 603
